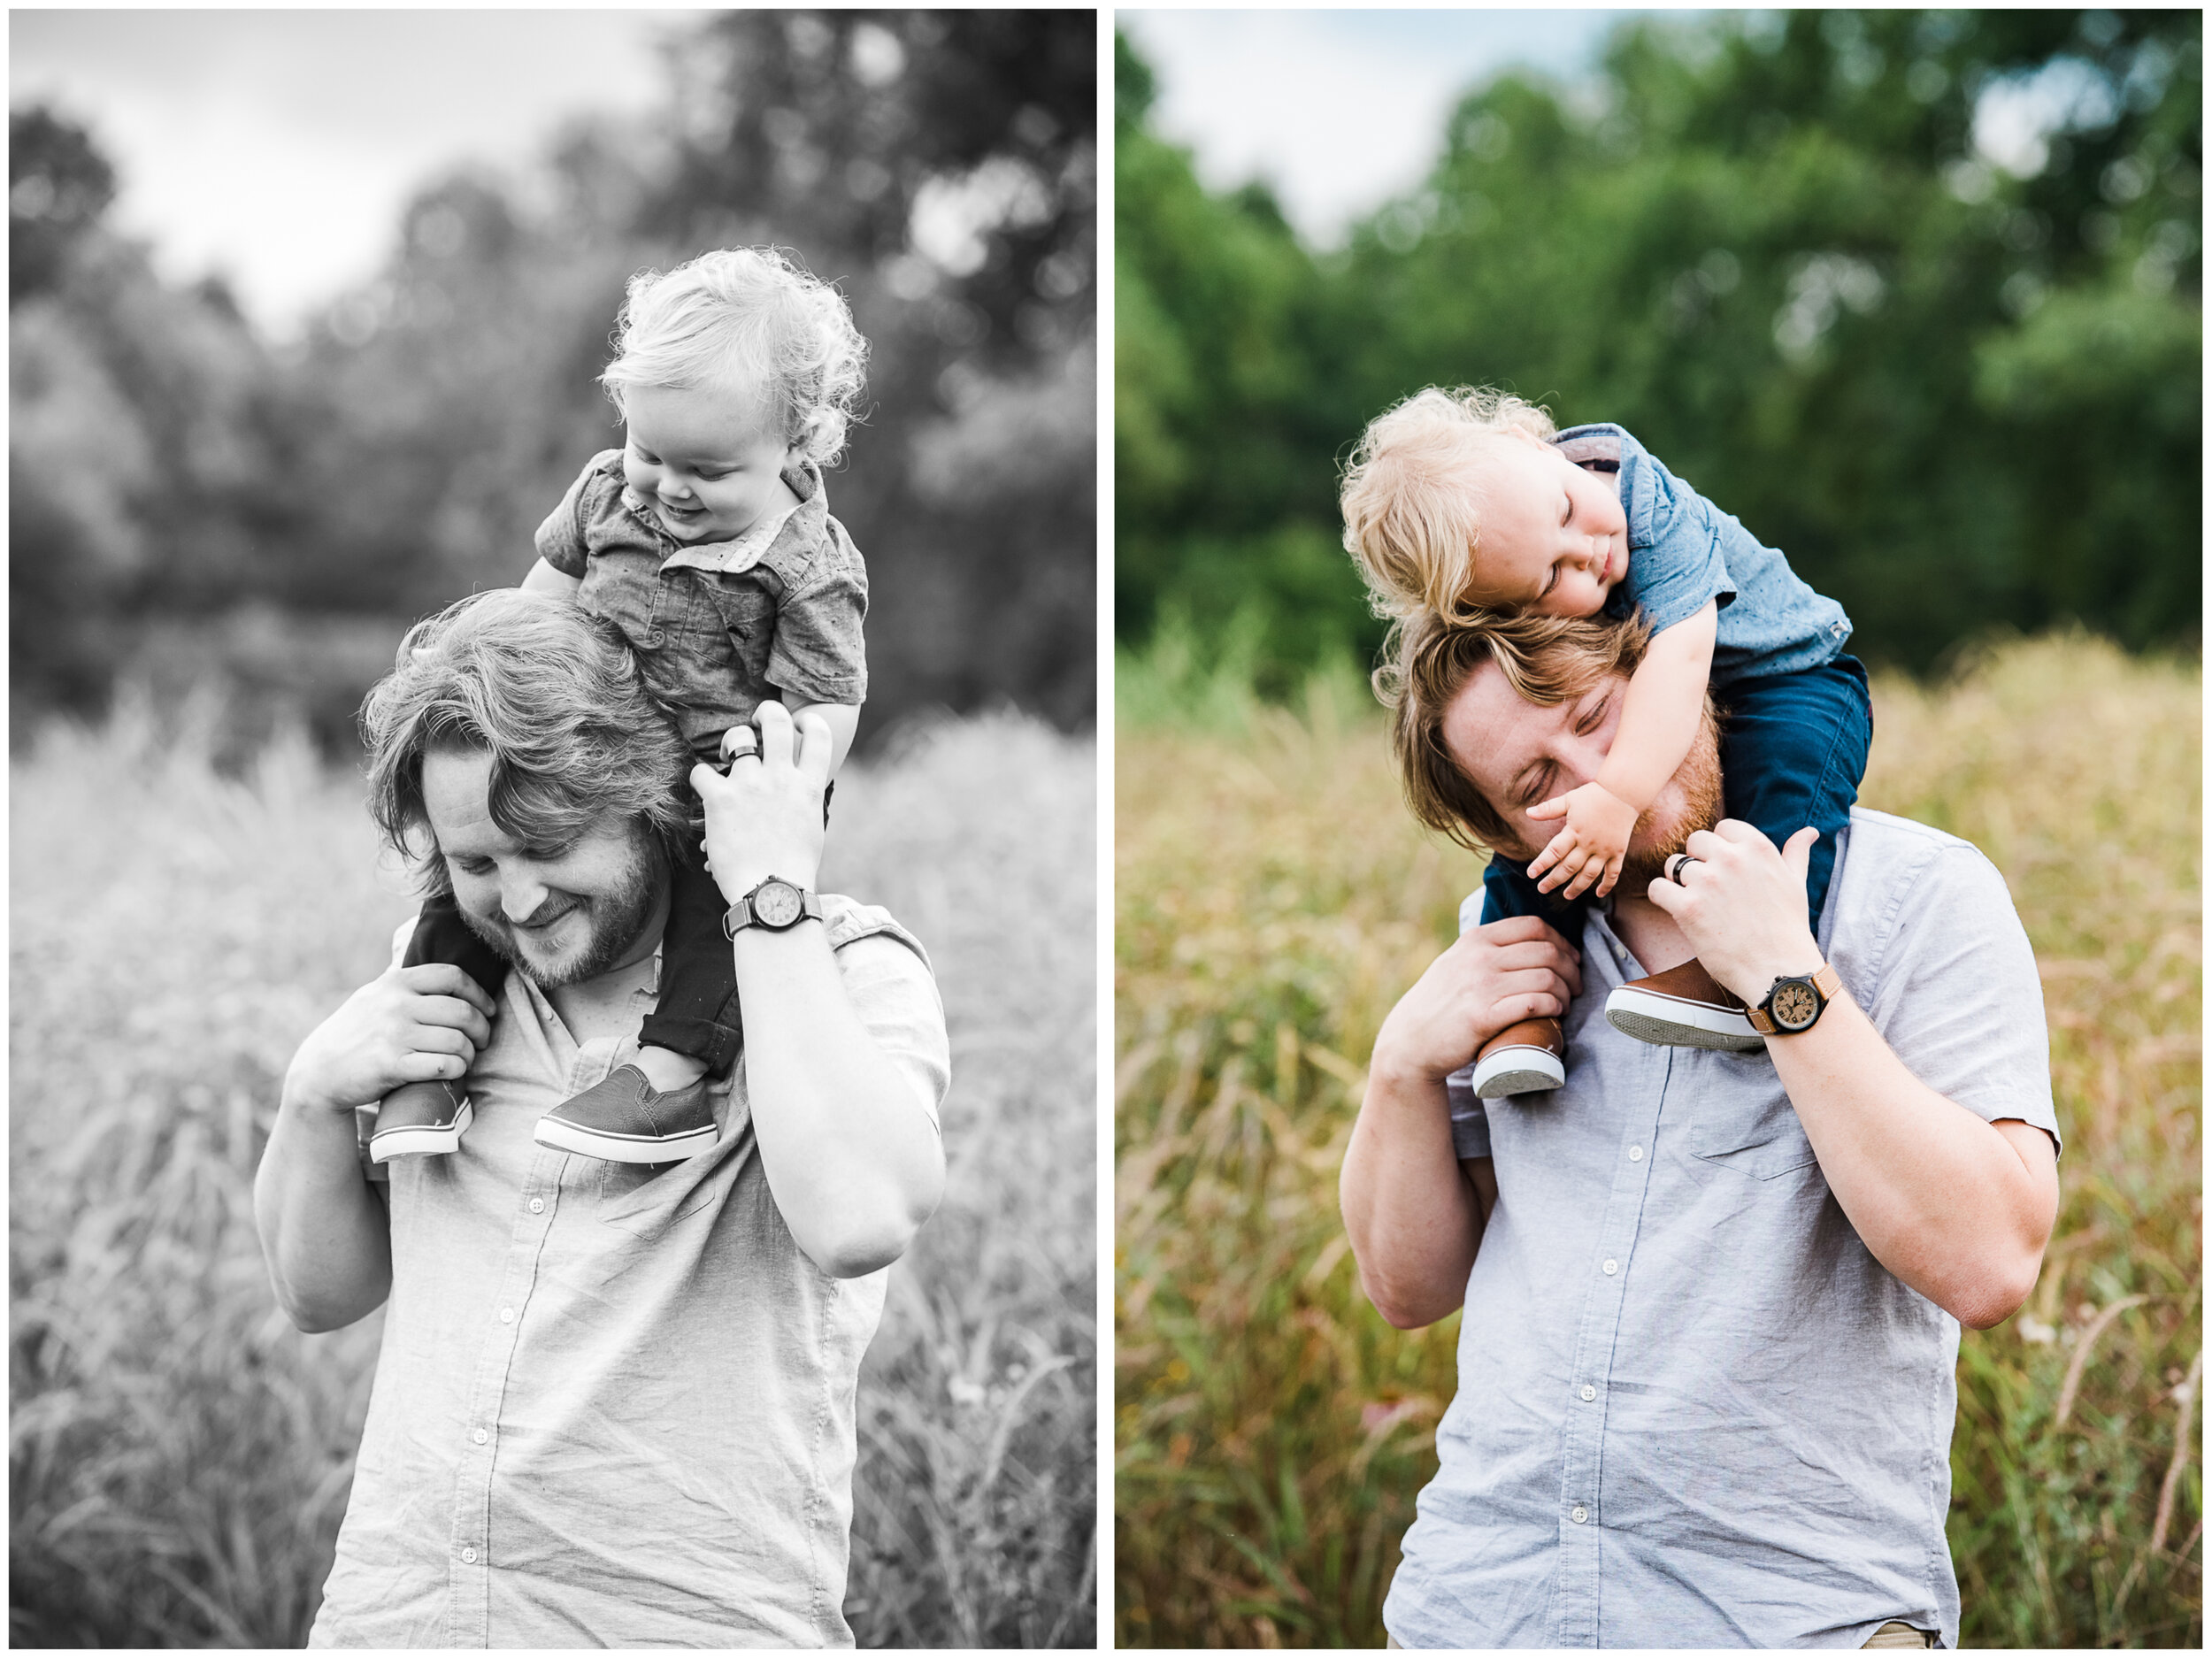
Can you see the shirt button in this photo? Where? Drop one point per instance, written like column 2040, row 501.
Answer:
column 1635, row 1154
column 1611, row 1267
column 1579, row 1514
column 1588, row 1393
column 537, row 1205
column 468, row 1556
column 480, row 1436
column 507, row 1313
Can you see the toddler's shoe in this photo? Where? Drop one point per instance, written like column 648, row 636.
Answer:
column 420, row 1119
column 1682, row 1008
column 1523, row 1058
column 625, row 1119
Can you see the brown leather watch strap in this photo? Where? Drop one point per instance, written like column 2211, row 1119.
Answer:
column 1827, row 981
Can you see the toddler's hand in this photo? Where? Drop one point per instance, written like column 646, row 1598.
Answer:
column 1589, row 846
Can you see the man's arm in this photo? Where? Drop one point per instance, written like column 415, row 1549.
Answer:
column 323, row 1231
column 1957, row 1208
column 851, row 1155
column 1415, row 1216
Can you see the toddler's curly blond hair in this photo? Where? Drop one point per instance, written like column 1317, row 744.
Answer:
column 1412, row 519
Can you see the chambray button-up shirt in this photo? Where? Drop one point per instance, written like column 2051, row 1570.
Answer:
column 614, row 1406
column 1692, row 1410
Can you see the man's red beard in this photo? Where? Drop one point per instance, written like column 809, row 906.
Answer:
column 1652, row 845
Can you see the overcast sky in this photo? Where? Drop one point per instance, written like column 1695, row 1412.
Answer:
column 1339, row 111
column 279, row 147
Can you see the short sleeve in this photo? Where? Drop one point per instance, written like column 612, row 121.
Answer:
column 1470, row 1123
column 896, row 1000
column 818, row 655
column 1675, row 563
column 1956, row 994
column 560, row 538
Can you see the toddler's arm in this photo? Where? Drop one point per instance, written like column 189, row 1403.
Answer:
column 544, row 578
column 843, row 718
column 1659, row 721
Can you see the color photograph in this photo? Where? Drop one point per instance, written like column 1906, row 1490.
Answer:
column 554, row 786
column 1657, row 822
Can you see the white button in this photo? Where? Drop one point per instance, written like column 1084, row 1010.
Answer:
column 1580, row 1515
column 1635, row 1154
column 468, row 1556
column 537, row 1206
column 480, row 1436
column 507, row 1313
column 1611, row 1267
column 1588, row 1393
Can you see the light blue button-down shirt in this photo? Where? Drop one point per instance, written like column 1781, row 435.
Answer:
column 1692, row 1410
column 614, row 1406
column 1685, row 553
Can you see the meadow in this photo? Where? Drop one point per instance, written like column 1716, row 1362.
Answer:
column 1272, row 900
column 179, row 1456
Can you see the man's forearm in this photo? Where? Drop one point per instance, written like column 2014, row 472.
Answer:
column 851, row 1158
column 1957, row 1208
column 323, row 1231
column 1413, row 1216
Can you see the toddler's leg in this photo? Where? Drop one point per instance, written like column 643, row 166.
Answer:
column 1793, row 752
column 418, row 1119
column 656, row 1108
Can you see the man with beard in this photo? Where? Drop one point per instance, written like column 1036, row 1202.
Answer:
column 1712, row 1298
column 614, row 1403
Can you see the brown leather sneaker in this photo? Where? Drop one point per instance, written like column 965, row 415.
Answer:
column 625, row 1119
column 1523, row 1058
column 1682, row 1008
column 420, row 1119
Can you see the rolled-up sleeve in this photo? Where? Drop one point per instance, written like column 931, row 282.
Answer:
column 895, row 999
column 1957, row 996
column 560, row 540
column 818, row 655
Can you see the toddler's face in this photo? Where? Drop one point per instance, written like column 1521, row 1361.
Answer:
column 1554, row 538
column 707, row 459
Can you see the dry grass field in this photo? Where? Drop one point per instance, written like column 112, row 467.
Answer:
column 1273, row 899
column 179, row 1456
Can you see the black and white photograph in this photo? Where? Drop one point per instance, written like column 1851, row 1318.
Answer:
column 553, row 784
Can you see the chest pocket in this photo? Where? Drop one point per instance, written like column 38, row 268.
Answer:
column 1763, row 1139
column 645, row 1200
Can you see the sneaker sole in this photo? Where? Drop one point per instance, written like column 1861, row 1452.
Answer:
column 421, row 1140
column 1517, row 1070
column 1666, row 1022
column 624, row 1148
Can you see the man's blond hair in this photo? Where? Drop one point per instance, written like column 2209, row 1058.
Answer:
column 1547, row 660
column 1412, row 519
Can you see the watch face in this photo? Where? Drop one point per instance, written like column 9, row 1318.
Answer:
column 778, row 904
column 1794, row 1006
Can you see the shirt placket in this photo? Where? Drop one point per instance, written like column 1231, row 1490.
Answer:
column 1578, row 1597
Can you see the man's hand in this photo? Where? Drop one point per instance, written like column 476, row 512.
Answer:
column 765, row 817
column 1492, row 977
column 1590, row 845
column 409, row 1025
column 1741, row 906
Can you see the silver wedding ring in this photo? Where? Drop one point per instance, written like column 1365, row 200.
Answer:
column 1674, row 867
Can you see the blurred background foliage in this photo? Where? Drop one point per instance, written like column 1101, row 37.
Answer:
column 190, row 500
column 1959, row 390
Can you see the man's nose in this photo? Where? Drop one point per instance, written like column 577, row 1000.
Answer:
column 521, row 894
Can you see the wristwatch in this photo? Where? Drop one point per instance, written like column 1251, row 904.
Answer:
column 775, row 904
column 1795, row 1003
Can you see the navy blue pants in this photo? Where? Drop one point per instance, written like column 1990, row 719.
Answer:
column 1793, row 749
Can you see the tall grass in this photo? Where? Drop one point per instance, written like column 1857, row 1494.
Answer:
column 179, row 1456
column 1273, row 899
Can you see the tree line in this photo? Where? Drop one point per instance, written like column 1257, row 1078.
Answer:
column 179, row 484
column 1960, row 393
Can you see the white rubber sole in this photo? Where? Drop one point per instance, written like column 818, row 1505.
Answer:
column 421, row 1140
column 1509, row 1070
column 610, row 1148
column 1670, row 1021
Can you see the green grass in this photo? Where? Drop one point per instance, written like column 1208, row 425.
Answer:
column 179, row 1456
column 1272, row 900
